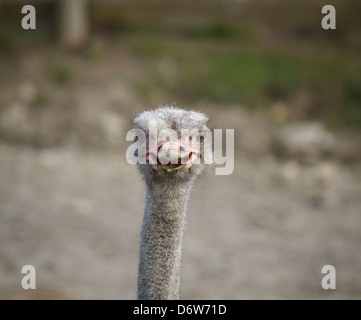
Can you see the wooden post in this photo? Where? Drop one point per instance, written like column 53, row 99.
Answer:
column 73, row 22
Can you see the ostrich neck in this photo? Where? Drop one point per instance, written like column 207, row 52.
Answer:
column 161, row 239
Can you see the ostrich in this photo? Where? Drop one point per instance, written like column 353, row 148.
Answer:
column 168, row 187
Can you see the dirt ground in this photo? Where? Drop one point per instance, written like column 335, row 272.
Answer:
column 257, row 233
column 74, row 211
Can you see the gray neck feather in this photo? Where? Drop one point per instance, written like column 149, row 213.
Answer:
column 161, row 239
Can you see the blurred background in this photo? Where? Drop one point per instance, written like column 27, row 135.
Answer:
column 71, row 206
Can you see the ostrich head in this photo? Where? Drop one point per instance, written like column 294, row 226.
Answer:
column 180, row 143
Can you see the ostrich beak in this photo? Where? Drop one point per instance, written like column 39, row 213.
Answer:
column 173, row 156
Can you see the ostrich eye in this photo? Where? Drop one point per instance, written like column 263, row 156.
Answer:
column 135, row 138
column 200, row 139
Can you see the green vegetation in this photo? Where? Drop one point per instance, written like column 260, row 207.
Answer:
column 61, row 72
column 13, row 36
column 8, row 35
column 247, row 77
column 221, row 64
column 220, row 31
